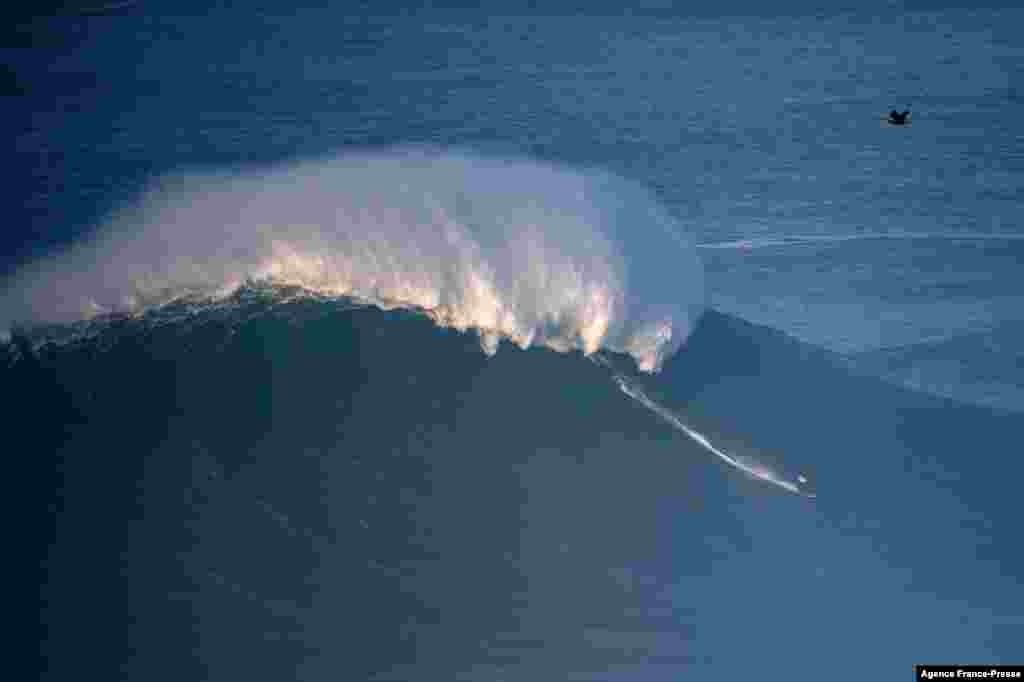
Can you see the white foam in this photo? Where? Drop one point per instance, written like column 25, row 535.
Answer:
column 514, row 249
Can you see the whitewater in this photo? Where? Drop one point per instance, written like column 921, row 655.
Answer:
column 510, row 248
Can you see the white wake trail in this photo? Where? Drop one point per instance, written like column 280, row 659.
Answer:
column 754, row 470
column 776, row 241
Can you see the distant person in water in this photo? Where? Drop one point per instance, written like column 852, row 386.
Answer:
column 898, row 119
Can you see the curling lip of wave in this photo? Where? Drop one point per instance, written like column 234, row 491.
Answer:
column 808, row 239
column 516, row 249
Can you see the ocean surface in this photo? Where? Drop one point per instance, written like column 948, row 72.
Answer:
column 516, row 343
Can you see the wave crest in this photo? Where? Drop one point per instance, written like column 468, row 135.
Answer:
column 516, row 249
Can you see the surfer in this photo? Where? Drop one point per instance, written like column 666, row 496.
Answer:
column 898, row 119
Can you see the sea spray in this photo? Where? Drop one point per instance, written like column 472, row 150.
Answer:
column 511, row 248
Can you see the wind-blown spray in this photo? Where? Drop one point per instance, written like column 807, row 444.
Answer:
column 516, row 249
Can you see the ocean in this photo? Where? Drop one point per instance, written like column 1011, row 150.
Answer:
column 592, row 342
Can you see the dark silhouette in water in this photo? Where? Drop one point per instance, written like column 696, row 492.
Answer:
column 898, row 119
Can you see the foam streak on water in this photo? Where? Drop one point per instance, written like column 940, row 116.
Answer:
column 811, row 239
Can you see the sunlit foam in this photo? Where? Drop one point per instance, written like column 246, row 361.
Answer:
column 514, row 249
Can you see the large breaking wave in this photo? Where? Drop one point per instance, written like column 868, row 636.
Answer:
column 516, row 249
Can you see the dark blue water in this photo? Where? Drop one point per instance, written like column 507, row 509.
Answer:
column 313, row 490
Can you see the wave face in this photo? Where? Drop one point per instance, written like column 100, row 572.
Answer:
column 283, row 491
column 513, row 249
